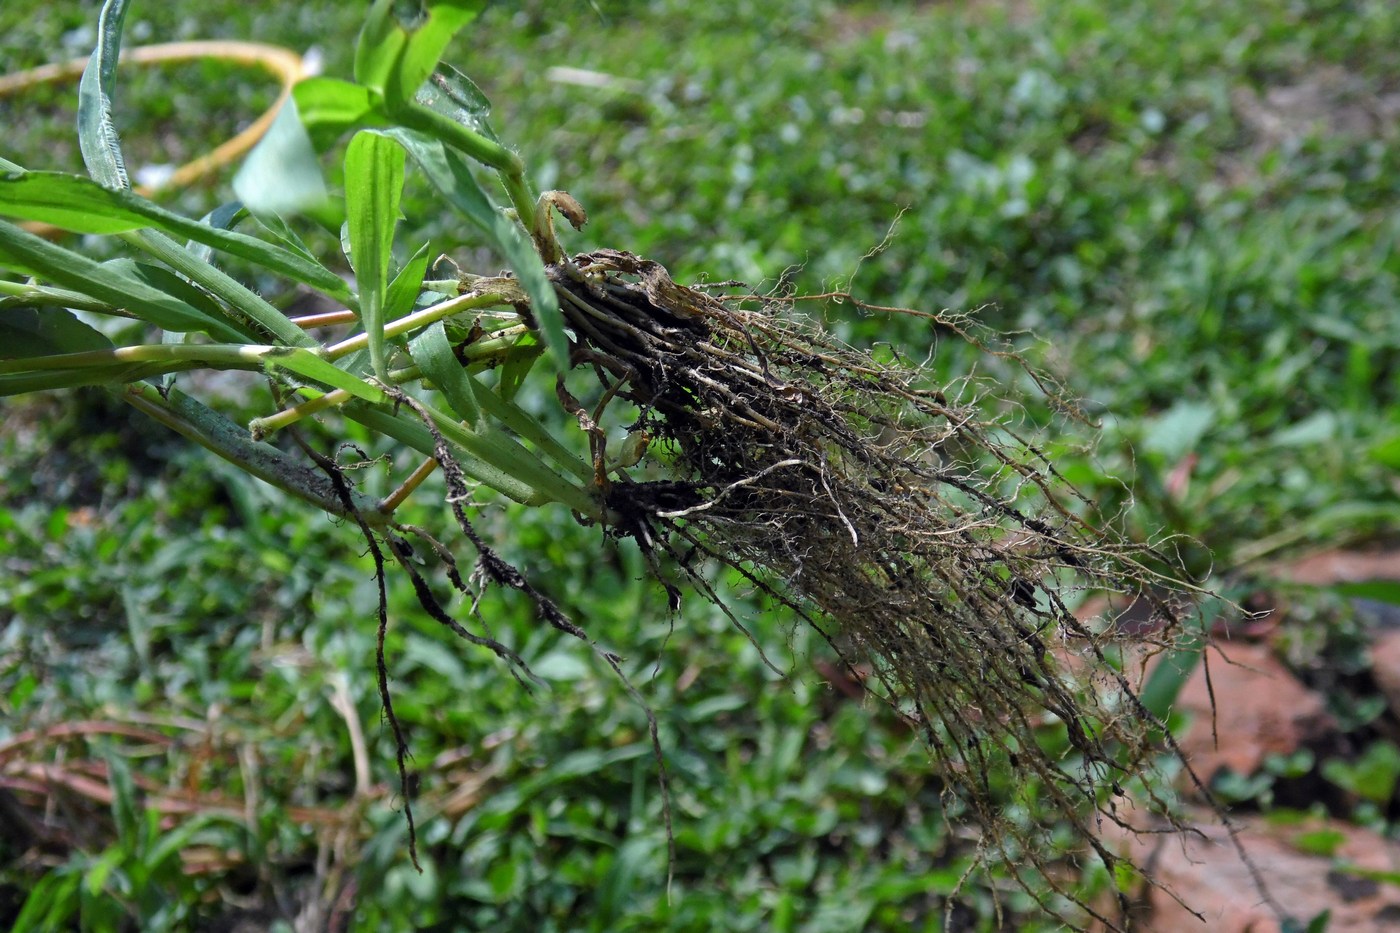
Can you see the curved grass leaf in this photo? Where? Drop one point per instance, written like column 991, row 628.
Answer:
column 52, row 902
column 433, row 353
column 522, row 423
column 279, row 228
column 452, row 177
column 373, row 183
column 168, row 283
column 310, row 366
column 427, row 40
column 223, row 217
column 328, row 107
column 24, row 252
column 27, row 332
column 253, row 315
column 404, row 289
column 97, row 134
column 78, row 204
column 455, row 96
column 381, row 42
column 415, row 435
column 88, row 376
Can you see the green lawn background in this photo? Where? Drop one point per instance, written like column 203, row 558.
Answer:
column 1187, row 210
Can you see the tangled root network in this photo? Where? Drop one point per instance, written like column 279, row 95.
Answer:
column 935, row 549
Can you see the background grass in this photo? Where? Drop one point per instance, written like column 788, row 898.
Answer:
column 1188, row 210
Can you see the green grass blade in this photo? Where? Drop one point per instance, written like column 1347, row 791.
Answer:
column 69, row 202
column 282, row 231
column 166, row 282
column 25, row 252
column 427, row 42
column 224, row 217
column 259, row 320
column 415, row 435
column 310, row 366
column 522, row 423
column 374, row 167
column 52, row 901
column 28, row 332
column 455, row 96
column 97, row 134
column 433, row 353
column 404, row 289
column 381, row 42
column 78, row 204
column 515, row 368
column 88, row 376
column 450, row 174
column 328, row 107
column 215, row 432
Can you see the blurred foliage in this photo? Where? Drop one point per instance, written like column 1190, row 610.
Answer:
column 1190, row 207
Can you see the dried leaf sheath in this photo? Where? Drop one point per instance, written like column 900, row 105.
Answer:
column 916, row 532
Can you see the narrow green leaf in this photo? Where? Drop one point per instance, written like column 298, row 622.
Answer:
column 415, row 435
column 455, row 96
column 275, row 225
column 281, row 175
column 26, row 332
column 452, row 177
column 1381, row 591
column 374, row 167
column 404, row 289
column 381, row 42
column 170, row 845
column 329, row 107
column 253, row 315
column 72, row 202
column 515, row 368
column 310, row 366
column 124, row 806
column 427, row 40
column 101, row 869
column 524, row 424
column 356, row 363
column 162, row 280
column 25, row 252
column 50, row 380
column 433, row 353
column 51, row 902
column 97, row 134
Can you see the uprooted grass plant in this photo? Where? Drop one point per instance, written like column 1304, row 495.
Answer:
column 917, row 527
